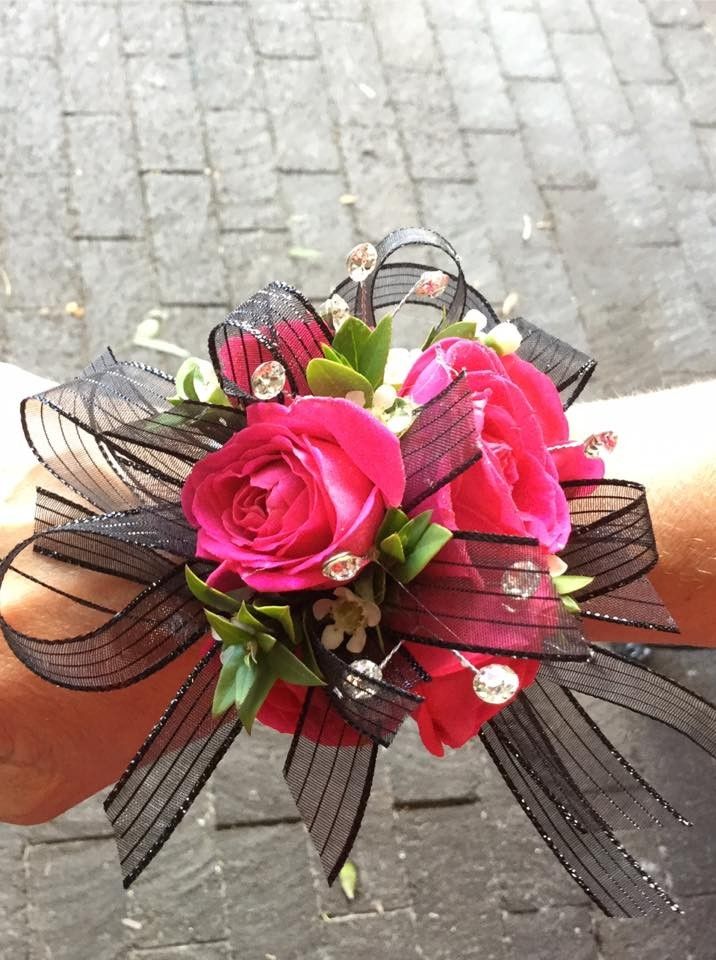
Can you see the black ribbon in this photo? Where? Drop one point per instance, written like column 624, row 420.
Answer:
column 114, row 437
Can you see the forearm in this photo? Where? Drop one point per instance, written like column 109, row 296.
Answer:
column 667, row 441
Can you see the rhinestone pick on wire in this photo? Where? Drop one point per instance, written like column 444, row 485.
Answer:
column 343, row 567
column 599, row 443
column 521, row 580
column 357, row 685
column 361, row 261
column 495, row 683
column 268, row 380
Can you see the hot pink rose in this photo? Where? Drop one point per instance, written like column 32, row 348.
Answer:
column 514, row 488
column 298, row 485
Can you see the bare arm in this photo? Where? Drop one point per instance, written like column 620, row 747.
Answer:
column 667, row 441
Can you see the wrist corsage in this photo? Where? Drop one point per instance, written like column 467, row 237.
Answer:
column 351, row 534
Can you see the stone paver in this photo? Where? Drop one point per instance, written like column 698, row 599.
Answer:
column 168, row 159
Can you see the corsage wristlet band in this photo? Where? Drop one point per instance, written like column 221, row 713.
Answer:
column 349, row 535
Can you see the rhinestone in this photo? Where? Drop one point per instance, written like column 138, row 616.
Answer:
column 357, row 684
column 361, row 261
column 343, row 567
column 521, row 579
column 431, row 283
column 600, row 443
column 268, row 380
column 335, row 310
column 495, row 683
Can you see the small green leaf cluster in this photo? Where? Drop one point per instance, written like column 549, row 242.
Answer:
column 406, row 546
column 255, row 652
column 196, row 380
column 565, row 584
column 466, row 329
column 355, row 361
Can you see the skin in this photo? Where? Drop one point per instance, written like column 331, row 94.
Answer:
column 58, row 747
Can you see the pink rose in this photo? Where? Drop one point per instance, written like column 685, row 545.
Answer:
column 451, row 713
column 514, row 489
column 298, row 485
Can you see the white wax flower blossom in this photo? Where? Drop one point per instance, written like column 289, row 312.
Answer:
column 400, row 360
column 479, row 319
column 350, row 614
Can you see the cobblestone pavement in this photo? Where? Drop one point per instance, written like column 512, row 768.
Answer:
column 168, row 158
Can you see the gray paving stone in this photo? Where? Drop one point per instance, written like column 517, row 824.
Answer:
column 522, row 44
column 13, row 897
column 28, row 327
column 92, row 74
column 446, row 851
column 378, row 177
column 265, row 867
column 242, row 161
column 226, row 71
column 391, row 935
column 673, row 148
column 418, row 779
column 256, row 257
column 156, row 28
column 105, row 186
column 382, row 886
column 352, row 10
column 564, row 931
column 300, row 115
column 186, row 242
column 198, row 951
column 628, row 185
column 455, row 210
column 166, row 114
column 248, row 785
column 622, row 21
column 418, row 97
column 698, row 236
column 317, row 221
column 477, row 85
column 573, row 17
column 35, row 203
column 672, row 13
column 34, row 131
column 468, row 16
column 120, row 289
column 551, row 135
column 591, row 83
column 62, row 875
column 29, row 28
column 41, row 269
column 672, row 938
column 282, row 29
column 532, row 269
column 85, row 821
column 691, row 56
column 404, row 35
column 191, row 861
column 358, row 89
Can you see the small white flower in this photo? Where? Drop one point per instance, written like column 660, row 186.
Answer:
column 505, row 338
column 350, row 614
column 479, row 319
column 384, row 397
column 400, row 360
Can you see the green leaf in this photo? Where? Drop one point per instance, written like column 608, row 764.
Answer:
column 373, row 354
column 330, row 354
column 246, row 619
column 224, row 696
column 228, row 632
column 289, row 668
column 571, row 604
column 326, row 378
column 207, row 596
column 260, row 689
column 463, row 328
column 569, row 583
column 244, row 681
column 392, row 546
column 265, row 641
column 414, row 530
column 434, row 331
column 429, row 545
column 393, row 522
column 348, row 879
column 282, row 615
column 350, row 339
